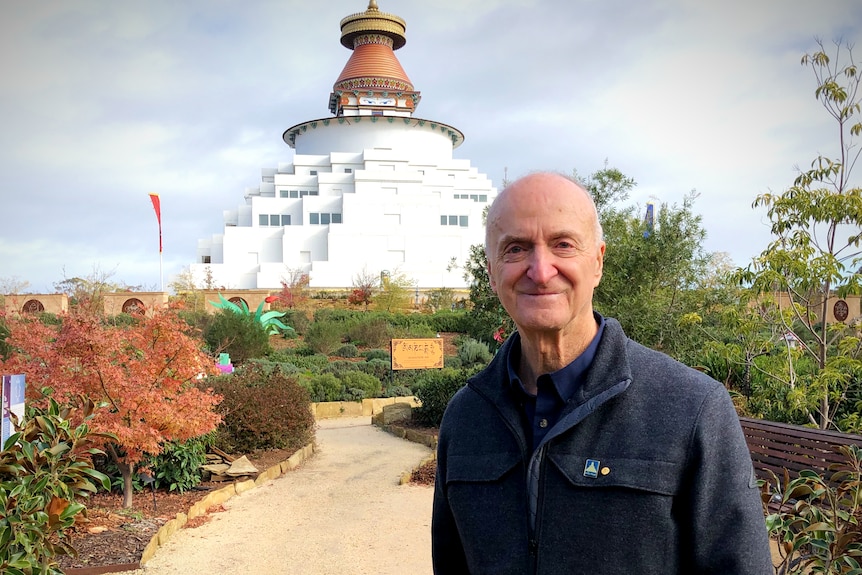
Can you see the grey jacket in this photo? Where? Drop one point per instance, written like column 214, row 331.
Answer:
column 646, row 472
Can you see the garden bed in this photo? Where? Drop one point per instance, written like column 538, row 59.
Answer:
column 112, row 539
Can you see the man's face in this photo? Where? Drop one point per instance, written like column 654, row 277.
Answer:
column 544, row 260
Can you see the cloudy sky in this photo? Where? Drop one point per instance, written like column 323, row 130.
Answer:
column 104, row 102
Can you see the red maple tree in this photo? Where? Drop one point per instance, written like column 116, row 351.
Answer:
column 146, row 375
column 293, row 291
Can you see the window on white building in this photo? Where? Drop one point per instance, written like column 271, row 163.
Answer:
column 273, row 220
column 348, row 170
column 462, row 221
column 313, row 172
column 283, row 193
column 323, row 219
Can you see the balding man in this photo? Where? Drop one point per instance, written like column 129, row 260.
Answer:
column 577, row 450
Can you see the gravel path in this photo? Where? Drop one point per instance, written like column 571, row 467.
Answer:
column 341, row 513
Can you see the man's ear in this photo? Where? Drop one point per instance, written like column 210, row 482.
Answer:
column 600, row 262
column 491, row 279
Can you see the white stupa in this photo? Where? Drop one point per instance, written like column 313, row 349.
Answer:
column 373, row 189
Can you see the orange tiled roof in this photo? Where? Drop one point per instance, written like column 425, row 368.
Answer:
column 373, row 60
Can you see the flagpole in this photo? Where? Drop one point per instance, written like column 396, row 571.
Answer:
column 157, row 206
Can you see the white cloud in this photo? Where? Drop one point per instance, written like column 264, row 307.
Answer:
column 103, row 103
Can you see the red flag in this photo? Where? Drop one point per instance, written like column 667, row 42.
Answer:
column 157, row 205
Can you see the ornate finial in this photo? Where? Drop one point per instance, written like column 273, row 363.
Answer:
column 373, row 21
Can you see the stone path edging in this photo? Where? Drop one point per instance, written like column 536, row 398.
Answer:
column 415, row 437
column 219, row 496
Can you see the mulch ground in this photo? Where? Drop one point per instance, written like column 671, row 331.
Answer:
column 110, row 535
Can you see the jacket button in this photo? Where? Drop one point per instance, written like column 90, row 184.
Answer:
column 543, row 423
column 605, row 470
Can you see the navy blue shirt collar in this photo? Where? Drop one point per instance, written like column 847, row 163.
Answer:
column 554, row 390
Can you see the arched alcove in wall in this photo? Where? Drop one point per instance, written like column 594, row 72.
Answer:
column 33, row 306
column 134, row 306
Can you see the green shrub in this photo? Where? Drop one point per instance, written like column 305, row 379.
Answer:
column 323, row 387
column 398, row 391
column 261, row 410
column 178, row 466
column 45, row 470
column 419, row 330
column 371, row 332
column 343, row 316
column 123, row 320
column 379, row 368
column 5, row 348
column 198, row 319
column 339, row 367
column 367, row 384
column 268, row 366
column 435, row 389
column 48, row 318
column 239, row 335
column 314, row 363
column 324, row 337
column 288, row 332
column 816, row 527
column 377, row 354
column 303, row 350
column 453, row 321
column 297, row 319
column 347, row 350
column 472, row 352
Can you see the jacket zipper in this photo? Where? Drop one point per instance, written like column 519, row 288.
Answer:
column 537, row 462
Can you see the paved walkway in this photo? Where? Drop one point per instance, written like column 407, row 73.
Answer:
column 340, row 513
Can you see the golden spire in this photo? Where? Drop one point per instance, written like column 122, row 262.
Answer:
column 373, row 21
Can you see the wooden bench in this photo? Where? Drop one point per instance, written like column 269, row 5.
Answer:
column 779, row 446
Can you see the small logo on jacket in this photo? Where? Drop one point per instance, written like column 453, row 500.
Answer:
column 591, row 469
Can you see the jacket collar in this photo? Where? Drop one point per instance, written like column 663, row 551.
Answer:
column 610, row 367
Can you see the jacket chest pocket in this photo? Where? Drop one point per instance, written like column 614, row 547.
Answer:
column 485, row 489
column 644, row 475
column 616, row 497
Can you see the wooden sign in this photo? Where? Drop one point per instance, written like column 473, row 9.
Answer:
column 417, row 353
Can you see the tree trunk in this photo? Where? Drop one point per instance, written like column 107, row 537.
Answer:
column 126, row 473
column 128, row 487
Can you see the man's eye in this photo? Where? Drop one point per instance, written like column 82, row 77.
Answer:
column 515, row 250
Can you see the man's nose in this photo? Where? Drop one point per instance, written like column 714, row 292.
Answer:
column 542, row 266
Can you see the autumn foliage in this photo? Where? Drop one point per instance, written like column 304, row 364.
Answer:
column 145, row 373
